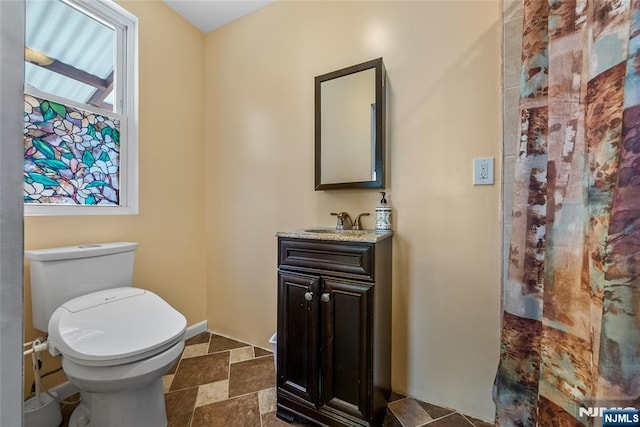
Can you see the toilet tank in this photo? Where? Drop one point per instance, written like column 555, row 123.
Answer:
column 60, row 274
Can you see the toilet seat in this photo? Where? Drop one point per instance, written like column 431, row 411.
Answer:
column 114, row 327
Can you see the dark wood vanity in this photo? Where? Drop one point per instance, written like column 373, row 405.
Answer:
column 334, row 327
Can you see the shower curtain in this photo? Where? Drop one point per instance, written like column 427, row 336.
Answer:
column 571, row 301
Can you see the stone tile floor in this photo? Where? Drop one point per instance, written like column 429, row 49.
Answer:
column 227, row 383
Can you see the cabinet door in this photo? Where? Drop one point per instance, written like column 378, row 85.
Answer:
column 346, row 343
column 298, row 331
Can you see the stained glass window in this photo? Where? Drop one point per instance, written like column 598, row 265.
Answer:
column 71, row 156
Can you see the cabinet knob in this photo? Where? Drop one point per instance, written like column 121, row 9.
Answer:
column 325, row 297
column 308, row 296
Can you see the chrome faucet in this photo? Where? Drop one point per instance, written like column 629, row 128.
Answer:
column 344, row 221
column 356, row 224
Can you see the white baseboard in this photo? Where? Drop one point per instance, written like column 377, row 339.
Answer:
column 269, row 346
column 195, row 329
column 66, row 389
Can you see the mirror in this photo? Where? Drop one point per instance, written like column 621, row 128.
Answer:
column 350, row 127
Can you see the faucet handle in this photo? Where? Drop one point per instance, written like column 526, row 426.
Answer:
column 342, row 225
column 356, row 223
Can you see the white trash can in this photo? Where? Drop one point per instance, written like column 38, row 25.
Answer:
column 274, row 345
column 42, row 411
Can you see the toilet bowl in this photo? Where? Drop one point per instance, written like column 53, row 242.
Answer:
column 116, row 342
column 116, row 345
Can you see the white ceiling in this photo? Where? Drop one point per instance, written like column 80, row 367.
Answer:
column 207, row 15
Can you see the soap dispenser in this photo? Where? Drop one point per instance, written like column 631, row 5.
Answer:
column 383, row 214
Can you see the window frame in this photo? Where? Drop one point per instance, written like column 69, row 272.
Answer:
column 125, row 109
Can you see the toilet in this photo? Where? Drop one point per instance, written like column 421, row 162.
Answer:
column 116, row 341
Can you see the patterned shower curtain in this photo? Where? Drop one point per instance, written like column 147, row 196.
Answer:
column 571, row 321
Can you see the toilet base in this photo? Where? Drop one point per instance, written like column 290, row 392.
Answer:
column 80, row 415
column 129, row 395
column 141, row 407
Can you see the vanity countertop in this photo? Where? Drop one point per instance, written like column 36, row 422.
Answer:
column 321, row 233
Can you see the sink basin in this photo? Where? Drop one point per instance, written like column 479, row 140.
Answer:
column 333, row 231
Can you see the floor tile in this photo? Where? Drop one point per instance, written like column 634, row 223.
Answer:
column 166, row 382
column 212, row 392
column 180, row 407
column 390, row 420
column 435, row 411
column 251, row 376
column 195, row 350
column 198, row 339
column 241, row 354
column 224, row 382
column 396, row 396
column 270, row 420
column 409, row 413
column 68, row 408
column 259, row 352
column 454, row 420
column 200, row 370
column 267, row 400
column 220, row 343
column 478, row 423
column 242, row 411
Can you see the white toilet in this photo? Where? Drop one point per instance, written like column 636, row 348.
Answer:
column 116, row 341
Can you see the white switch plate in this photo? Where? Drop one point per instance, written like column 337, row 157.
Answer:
column 483, row 171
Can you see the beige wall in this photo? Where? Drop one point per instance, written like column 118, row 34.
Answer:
column 442, row 60
column 443, row 63
column 171, row 258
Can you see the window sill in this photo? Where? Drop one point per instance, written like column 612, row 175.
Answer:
column 60, row 210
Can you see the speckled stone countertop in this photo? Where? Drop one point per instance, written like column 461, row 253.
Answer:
column 322, row 233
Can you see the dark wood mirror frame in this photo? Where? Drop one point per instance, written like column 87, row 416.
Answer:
column 380, row 128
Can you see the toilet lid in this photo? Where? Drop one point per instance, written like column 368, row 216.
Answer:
column 114, row 326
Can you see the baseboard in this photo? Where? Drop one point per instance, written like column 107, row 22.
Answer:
column 63, row 391
column 195, row 329
column 269, row 347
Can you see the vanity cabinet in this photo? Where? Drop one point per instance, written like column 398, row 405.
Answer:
column 334, row 330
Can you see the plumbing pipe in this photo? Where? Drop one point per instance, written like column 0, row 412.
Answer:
column 37, row 347
column 30, row 343
column 35, row 359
